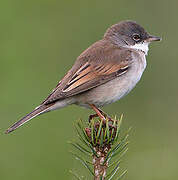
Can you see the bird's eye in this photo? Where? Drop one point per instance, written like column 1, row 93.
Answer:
column 136, row 37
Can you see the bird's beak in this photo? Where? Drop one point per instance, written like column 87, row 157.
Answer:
column 153, row 38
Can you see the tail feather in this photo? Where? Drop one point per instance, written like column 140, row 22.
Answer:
column 39, row 110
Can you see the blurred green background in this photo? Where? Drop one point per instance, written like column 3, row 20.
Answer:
column 39, row 42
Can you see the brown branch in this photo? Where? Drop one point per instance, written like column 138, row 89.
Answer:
column 101, row 137
column 100, row 168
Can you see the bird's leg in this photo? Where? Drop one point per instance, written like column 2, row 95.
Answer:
column 98, row 112
column 105, row 115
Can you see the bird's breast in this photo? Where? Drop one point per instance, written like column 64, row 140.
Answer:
column 116, row 88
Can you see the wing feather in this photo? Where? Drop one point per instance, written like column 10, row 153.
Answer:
column 89, row 72
column 91, row 77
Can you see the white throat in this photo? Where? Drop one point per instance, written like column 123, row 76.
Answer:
column 142, row 46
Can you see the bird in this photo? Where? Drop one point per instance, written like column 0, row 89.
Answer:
column 104, row 73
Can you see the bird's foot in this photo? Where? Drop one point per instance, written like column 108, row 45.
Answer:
column 99, row 113
column 92, row 116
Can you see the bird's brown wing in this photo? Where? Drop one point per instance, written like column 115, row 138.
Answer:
column 91, row 73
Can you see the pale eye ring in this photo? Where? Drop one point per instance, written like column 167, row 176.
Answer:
column 136, row 37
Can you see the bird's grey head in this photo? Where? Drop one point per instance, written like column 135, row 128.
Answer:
column 131, row 35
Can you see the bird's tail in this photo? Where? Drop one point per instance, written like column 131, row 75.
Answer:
column 37, row 111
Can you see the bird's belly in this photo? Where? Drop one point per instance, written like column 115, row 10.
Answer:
column 114, row 89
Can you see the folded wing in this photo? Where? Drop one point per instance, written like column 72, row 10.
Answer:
column 88, row 76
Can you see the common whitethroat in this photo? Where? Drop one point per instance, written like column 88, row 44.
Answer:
column 105, row 72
